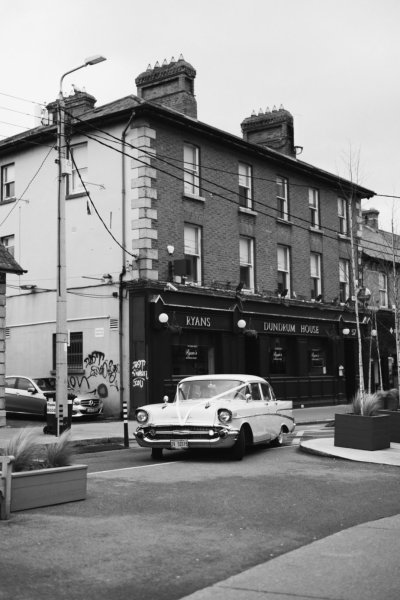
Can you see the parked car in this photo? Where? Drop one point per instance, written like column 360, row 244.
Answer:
column 29, row 395
column 215, row 411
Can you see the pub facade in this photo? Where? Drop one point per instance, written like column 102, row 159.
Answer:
column 306, row 351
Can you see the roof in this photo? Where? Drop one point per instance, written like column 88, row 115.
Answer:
column 7, row 262
column 124, row 108
column 379, row 244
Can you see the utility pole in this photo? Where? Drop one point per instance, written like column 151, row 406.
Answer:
column 64, row 169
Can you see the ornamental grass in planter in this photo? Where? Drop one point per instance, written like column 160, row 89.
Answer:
column 43, row 475
column 365, row 428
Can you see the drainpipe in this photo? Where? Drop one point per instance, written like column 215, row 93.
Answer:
column 123, row 401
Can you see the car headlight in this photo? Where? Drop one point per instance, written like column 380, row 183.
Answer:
column 141, row 416
column 76, row 401
column 224, row 415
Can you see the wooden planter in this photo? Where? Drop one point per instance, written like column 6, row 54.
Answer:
column 362, row 432
column 45, row 487
column 394, row 424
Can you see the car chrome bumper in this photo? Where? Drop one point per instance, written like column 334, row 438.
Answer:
column 225, row 438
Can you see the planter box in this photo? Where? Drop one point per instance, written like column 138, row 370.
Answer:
column 362, row 432
column 45, row 487
column 394, row 424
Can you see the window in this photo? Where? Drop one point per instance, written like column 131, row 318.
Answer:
column 313, row 202
column 383, row 291
column 343, row 216
column 79, row 169
column 282, row 198
column 245, row 185
column 191, row 165
column 344, row 279
column 246, row 257
column 8, row 242
column 74, row 351
column 283, row 271
column 315, row 271
column 7, row 182
column 192, row 251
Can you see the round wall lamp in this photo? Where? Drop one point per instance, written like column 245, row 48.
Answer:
column 241, row 323
column 346, row 331
column 163, row 318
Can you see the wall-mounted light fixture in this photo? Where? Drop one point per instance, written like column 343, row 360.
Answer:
column 249, row 331
column 170, row 250
column 173, row 326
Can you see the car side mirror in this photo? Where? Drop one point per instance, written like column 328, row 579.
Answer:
column 165, row 399
column 248, row 397
column 32, row 390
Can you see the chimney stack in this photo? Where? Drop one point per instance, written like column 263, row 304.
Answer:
column 371, row 218
column 272, row 129
column 171, row 85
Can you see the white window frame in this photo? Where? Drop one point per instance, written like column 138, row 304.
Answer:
column 343, row 216
column 283, row 269
column 282, row 198
column 246, row 261
column 79, row 153
column 191, row 166
column 8, row 182
column 245, row 185
column 383, row 289
column 315, row 273
column 313, row 203
column 192, row 252
column 8, row 242
column 344, row 279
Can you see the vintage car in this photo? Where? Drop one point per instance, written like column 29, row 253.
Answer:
column 215, row 411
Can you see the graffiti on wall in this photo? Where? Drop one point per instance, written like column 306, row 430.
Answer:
column 100, row 373
column 139, row 373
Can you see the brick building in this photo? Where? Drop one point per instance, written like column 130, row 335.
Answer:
column 233, row 255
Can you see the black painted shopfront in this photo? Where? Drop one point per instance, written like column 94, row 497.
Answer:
column 307, row 351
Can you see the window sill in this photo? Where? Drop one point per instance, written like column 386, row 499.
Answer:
column 247, row 211
column 316, row 230
column 77, row 195
column 284, row 221
column 343, row 236
column 8, row 200
column 188, row 196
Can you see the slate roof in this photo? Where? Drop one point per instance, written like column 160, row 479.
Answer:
column 7, row 262
column 379, row 244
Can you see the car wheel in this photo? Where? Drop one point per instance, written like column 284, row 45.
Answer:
column 278, row 441
column 156, row 453
column 239, row 449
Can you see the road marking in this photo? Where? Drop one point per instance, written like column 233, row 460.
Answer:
column 172, row 462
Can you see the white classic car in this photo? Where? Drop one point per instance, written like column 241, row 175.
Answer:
column 215, row 411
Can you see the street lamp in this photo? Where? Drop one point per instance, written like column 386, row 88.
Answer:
column 61, row 277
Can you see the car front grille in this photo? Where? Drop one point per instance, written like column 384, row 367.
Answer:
column 179, row 432
column 90, row 402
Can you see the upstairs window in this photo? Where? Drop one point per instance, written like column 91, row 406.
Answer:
column 8, row 242
column 8, row 182
column 191, row 165
column 245, row 186
column 383, row 290
column 282, row 198
column 283, row 259
column 74, row 351
column 246, row 257
column 344, row 280
column 343, row 216
column 315, row 271
column 79, row 169
column 192, row 251
column 313, row 202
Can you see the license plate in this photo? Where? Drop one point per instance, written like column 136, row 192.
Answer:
column 91, row 410
column 179, row 444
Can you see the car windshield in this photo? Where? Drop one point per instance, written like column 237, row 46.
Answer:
column 210, row 388
column 46, row 383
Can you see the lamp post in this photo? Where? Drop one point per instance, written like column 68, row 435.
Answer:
column 61, row 277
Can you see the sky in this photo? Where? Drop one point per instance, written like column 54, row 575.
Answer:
column 334, row 64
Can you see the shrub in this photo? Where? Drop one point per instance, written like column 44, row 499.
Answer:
column 370, row 406
column 59, row 453
column 23, row 447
